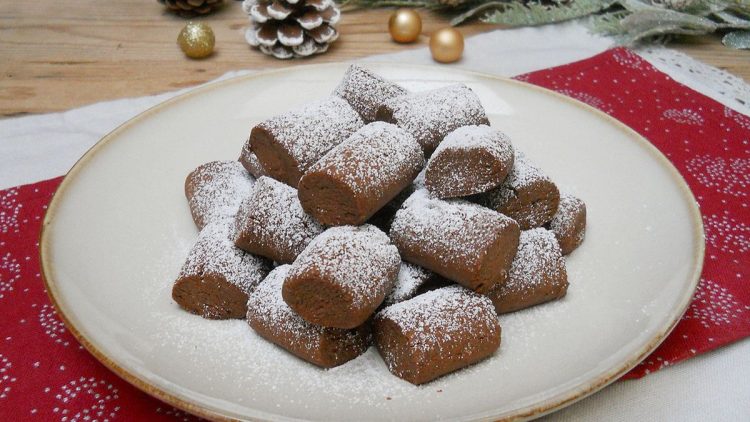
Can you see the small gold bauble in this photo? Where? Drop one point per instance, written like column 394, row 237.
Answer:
column 446, row 45
column 405, row 25
column 196, row 40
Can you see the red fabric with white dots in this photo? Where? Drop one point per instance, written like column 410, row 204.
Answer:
column 45, row 373
column 709, row 144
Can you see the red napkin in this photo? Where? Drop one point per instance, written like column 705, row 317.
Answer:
column 709, row 144
column 44, row 372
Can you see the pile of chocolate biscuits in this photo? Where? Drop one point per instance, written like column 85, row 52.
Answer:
column 378, row 215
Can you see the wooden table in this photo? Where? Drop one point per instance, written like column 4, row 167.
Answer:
column 59, row 54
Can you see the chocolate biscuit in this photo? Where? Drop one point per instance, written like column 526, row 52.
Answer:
column 342, row 276
column 527, row 195
column 250, row 161
column 383, row 218
column 365, row 91
column 274, row 320
column 272, row 223
column 461, row 241
column 359, row 176
column 537, row 274
column 431, row 115
column 569, row 223
column 436, row 333
column 470, row 160
column 412, row 281
column 287, row 145
column 217, row 277
column 215, row 190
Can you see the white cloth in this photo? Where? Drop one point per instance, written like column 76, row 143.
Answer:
column 715, row 386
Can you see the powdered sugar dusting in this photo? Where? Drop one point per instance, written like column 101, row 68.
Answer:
column 267, row 306
column 476, row 177
column 214, row 253
column 275, row 216
column 523, row 179
column 563, row 222
column 377, row 155
column 538, row 260
column 310, row 131
column 523, row 174
column 454, row 230
column 365, row 91
column 431, row 115
column 358, row 258
column 251, row 163
column 218, row 189
column 410, row 278
column 435, row 318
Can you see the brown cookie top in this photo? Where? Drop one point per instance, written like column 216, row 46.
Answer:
column 282, row 321
column 538, row 260
column 564, row 220
column 311, row 130
column 216, row 189
column 489, row 147
column 278, row 217
column 397, row 153
column 422, row 212
column 438, row 315
column 410, row 278
column 431, row 115
column 479, row 136
column 214, row 174
column 250, row 161
column 365, row 91
column 356, row 257
column 214, row 253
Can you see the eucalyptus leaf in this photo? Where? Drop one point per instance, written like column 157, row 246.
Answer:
column 629, row 21
column 737, row 39
column 644, row 20
column 532, row 14
column 733, row 21
column 633, row 37
column 482, row 8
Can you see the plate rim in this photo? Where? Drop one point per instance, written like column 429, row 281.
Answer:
column 534, row 410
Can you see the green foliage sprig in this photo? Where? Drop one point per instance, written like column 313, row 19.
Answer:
column 630, row 21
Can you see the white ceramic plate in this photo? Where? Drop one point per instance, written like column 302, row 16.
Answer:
column 119, row 227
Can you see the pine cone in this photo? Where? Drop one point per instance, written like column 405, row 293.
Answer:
column 190, row 8
column 291, row 28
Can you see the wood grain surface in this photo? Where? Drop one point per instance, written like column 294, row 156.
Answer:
column 56, row 55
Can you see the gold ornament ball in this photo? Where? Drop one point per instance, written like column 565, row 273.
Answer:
column 196, row 40
column 446, row 45
column 405, row 25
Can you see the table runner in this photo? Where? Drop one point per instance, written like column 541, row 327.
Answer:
column 43, row 370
